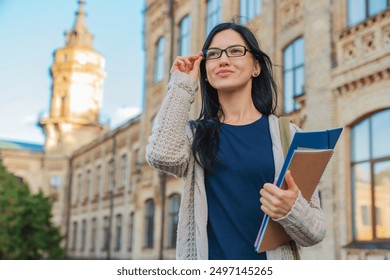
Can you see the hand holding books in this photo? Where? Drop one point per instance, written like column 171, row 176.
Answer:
column 307, row 158
column 276, row 202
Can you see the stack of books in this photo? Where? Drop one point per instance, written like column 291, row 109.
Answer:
column 306, row 158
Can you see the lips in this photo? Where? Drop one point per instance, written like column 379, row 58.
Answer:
column 224, row 73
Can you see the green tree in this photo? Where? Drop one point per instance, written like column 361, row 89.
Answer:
column 26, row 230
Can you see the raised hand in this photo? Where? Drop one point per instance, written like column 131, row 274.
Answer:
column 188, row 64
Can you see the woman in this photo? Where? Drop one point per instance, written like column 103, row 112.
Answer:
column 230, row 153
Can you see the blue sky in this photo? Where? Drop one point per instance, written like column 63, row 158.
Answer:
column 30, row 31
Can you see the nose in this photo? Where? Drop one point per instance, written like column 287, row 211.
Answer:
column 224, row 59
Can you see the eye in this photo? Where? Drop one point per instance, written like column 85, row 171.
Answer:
column 236, row 50
column 212, row 53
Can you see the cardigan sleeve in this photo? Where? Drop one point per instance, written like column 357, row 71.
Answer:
column 169, row 147
column 305, row 223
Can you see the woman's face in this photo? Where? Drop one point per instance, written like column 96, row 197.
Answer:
column 231, row 73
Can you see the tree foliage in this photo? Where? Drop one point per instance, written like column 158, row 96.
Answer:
column 26, row 230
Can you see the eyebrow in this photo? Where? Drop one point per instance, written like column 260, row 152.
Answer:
column 244, row 45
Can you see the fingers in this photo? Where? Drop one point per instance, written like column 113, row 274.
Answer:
column 276, row 202
column 188, row 64
column 290, row 181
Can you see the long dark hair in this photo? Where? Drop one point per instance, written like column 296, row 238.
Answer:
column 264, row 96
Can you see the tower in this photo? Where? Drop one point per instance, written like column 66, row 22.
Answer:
column 76, row 93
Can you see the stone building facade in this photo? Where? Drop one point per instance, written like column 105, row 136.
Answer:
column 331, row 63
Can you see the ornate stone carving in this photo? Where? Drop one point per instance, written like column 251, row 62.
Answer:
column 291, row 13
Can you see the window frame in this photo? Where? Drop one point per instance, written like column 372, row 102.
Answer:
column 246, row 13
column 173, row 219
column 294, row 69
column 149, row 224
column 159, row 60
column 367, row 12
column 184, row 36
column 130, row 241
column 118, row 232
column 93, row 234
column 370, row 160
column 213, row 14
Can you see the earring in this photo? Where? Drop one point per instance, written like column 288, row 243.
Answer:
column 255, row 74
column 205, row 79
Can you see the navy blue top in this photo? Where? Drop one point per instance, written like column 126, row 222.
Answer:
column 234, row 214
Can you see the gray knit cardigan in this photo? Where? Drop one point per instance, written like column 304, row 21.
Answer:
column 169, row 150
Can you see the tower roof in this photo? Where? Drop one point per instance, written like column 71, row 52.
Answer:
column 79, row 35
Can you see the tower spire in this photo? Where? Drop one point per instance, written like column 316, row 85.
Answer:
column 79, row 35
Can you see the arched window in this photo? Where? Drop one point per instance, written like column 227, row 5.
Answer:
column 173, row 219
column 149, row 223
column 213, row 14
column 185, row 36
column 159, row 60
column 293, row 74
column 249, row 9
column 370, row 166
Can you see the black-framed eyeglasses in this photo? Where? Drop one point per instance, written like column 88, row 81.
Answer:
column 231, row 51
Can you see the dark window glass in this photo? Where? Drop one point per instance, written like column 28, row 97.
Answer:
column 93, row 234
column 173, row 218
column 118, row 232
column 106, row 234
column 83, row 234
column 131, row 232
column 149, row 224
column 74, row 243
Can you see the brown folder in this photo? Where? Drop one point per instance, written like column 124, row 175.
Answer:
column 306, row 167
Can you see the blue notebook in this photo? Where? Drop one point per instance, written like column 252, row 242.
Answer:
column 307, row 158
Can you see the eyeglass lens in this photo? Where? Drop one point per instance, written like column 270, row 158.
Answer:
column 232, row 51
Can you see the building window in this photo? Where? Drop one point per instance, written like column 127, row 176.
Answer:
column 123, row 171
column 111, row 174
column 131, row 232
column 293, row 74
column 149, row 224
column 97, row 187
column 359, row 10
column 88, row 184
column 79, row 187
column 74, row 243
column 173, row 219
column 249, row 9
column 118, row 232
column 106, row 234
column 55, row 181
column 370, row 166
column 185, row 36
column 93, row 234
column 213, row 14
column 159, row 60
column 83, row 234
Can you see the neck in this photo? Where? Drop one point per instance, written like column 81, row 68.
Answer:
column 238, row 108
